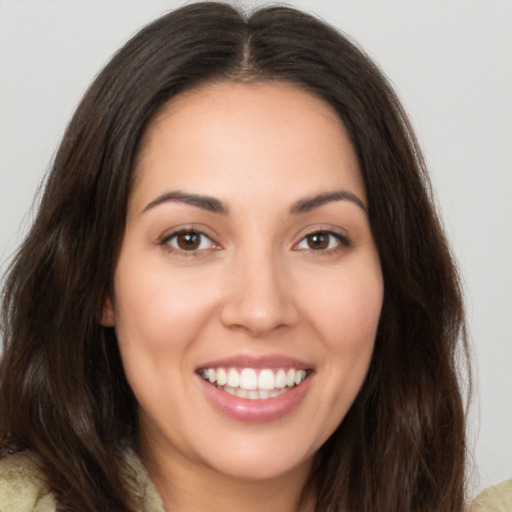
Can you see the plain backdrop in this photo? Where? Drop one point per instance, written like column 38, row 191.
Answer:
column 449, row 60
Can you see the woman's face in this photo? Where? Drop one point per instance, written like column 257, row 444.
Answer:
column 248, row 287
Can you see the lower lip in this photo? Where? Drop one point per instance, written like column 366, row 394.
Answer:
column 255, row 411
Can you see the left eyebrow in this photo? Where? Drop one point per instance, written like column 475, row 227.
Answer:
column 208, row 203
column 310, row 203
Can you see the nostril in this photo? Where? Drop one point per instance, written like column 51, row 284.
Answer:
column 257, row 297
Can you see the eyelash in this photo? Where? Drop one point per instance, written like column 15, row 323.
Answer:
column 343, row 242
column 165, row 242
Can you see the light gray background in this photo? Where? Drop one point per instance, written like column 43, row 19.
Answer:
column 451, row 63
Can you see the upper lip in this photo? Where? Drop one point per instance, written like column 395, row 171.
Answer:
column 257, row 362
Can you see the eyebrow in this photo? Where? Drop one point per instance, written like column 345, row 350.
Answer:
column 204, row 202
column 308, row 204
column 213, row 205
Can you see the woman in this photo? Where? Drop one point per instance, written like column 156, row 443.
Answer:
column 236, row 293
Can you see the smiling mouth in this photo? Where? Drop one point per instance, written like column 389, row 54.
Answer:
column 254, row 384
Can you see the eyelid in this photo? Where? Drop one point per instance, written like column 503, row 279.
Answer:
column 188, row 228
column 334, row 231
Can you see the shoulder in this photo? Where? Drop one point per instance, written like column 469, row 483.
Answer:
column 494, row 499
column 23, row 487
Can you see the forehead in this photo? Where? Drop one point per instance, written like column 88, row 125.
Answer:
column 247, row 136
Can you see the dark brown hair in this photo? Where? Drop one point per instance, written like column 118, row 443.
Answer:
column 63, row 392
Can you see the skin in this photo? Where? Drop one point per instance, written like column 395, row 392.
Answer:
column 256, row 285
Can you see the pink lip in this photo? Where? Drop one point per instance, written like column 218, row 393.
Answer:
column 257, row 362
column 255, row 411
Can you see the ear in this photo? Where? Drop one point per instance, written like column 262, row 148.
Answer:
column 108, row 316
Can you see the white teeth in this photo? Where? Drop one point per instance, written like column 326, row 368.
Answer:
column 241, row 393
column 233, row 378
column 264, row 394
column 280, row 380
column 222, row 377
column 248, row 379
column 252, row 385
column 266, row 379
column 290, row 378
column 299, row 377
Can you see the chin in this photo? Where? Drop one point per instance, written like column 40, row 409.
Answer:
column 256, row 460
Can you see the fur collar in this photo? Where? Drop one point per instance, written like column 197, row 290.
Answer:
column 24, row 488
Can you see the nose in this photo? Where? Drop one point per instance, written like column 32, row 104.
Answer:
column 259, row 297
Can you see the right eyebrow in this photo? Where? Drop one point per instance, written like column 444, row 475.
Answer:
column 208, row 203
column 310, row 203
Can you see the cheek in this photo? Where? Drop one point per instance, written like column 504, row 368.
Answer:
column 344, row 314
column 159, row 315
column 161, row 309
column 347, row 308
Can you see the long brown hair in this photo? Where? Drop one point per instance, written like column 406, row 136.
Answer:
column 63, row 392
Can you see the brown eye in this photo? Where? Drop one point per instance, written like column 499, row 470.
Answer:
column 322, row 241
column 189, row 241
column 318, row 241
